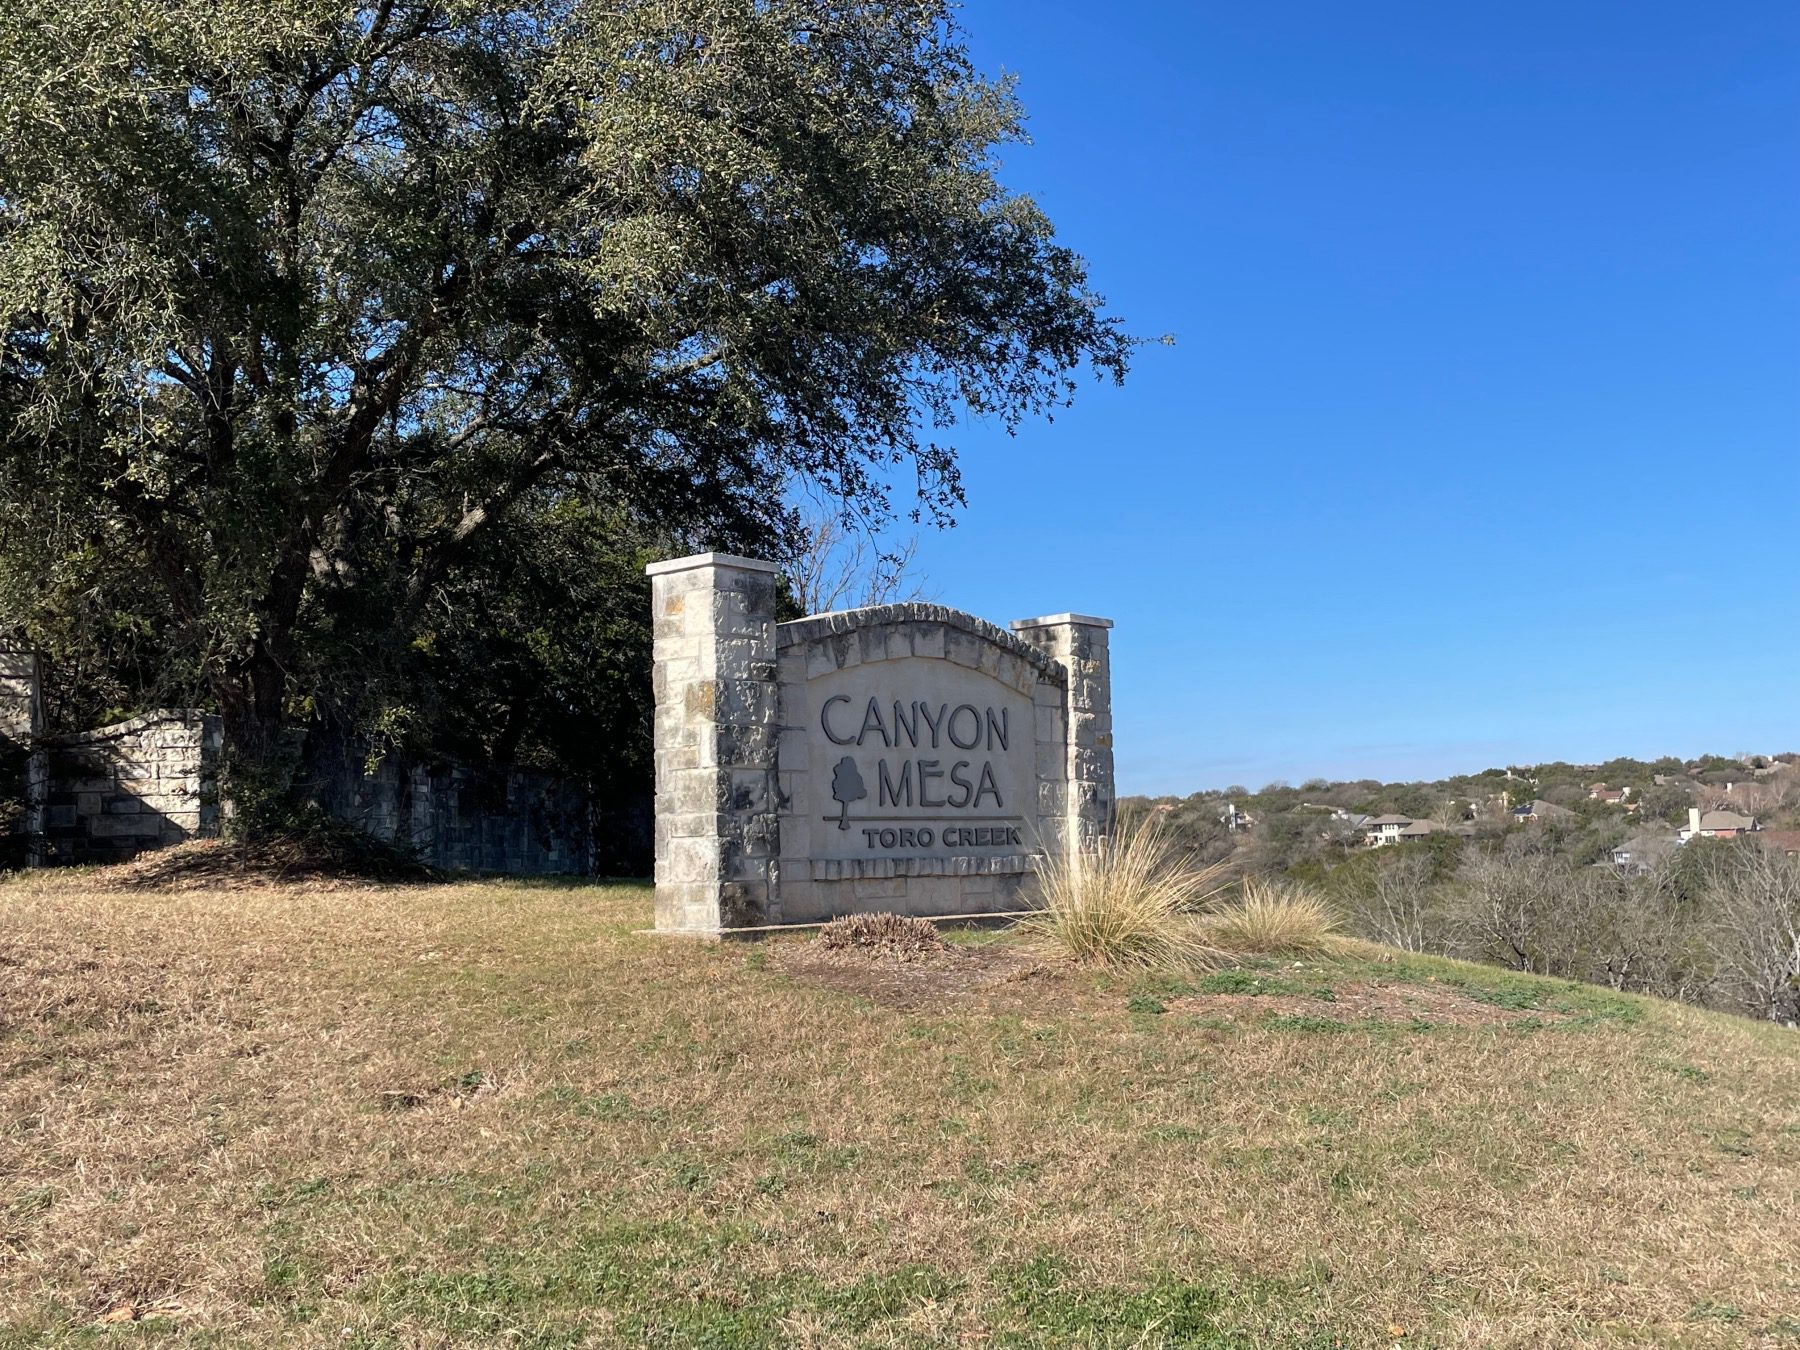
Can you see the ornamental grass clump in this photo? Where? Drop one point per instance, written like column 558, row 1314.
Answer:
column 1131, row 903
column 1273, row 918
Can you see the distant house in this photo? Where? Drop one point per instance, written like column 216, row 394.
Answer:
column 1356, row 820
column 1420, row 828
column 1383, row 830
column 1644, row 852
column 1599, row 792
column 1779, row 841
column 1541, row 812
column 1716, row 825
column 1235, row 820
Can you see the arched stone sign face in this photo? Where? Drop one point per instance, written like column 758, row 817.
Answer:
column 922, row 759
column 908, row 757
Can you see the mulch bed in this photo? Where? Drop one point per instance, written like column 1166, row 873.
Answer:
column 221, row 864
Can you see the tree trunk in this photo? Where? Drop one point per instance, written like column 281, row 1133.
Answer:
column 261, row 752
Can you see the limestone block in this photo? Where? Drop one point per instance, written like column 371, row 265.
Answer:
column 794, row 841
column 963, row 650
column 740, row 904
column 119, row 827
column 793, row 746
column 846, row 650
column 693, row 859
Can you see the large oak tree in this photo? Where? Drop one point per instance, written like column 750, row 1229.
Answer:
column 310, row 311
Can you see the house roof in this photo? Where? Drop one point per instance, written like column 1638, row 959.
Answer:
column 1388, row 820
column 1726, row 820
column 1540, row 807
column 1651, row 845
column 1420, row 828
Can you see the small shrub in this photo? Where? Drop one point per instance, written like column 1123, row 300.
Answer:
column 896, row 935
column 1302, row 1022
column 1130, row 903
column 1275, row 919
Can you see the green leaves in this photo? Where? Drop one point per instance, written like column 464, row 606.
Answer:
column 313, row 315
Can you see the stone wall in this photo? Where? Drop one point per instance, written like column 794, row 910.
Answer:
column 105, row 795
column 116, row 791
column 769, row 812
column 21, row 766
column 456, row 817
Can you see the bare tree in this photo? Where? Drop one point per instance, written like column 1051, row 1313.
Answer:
column 845, row 564
column 1398, row 905
column 1753, row 898
column 1660, row 948
column 1502, row 902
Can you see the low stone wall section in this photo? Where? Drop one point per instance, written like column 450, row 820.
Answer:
column 520, row 822
column 106, row 795
column 113, row 792
column 22, row 765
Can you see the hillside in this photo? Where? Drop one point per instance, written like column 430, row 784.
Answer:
column 1595, row 807
column 500, row 1114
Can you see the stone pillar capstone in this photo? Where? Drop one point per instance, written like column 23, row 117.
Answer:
column 717, row 720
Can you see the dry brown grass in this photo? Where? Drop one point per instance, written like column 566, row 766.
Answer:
column 495, row 1114
column 902, row 936
column 1129, row 904
column 1273, row 918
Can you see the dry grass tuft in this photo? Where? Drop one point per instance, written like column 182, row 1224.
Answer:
column 895, row 935
column 1273, row 918
column 1129, row 904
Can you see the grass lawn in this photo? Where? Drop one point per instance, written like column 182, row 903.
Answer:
column 499, row 1114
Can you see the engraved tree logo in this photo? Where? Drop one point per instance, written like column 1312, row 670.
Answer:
column 846, row 787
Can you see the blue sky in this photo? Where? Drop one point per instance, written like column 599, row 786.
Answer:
column 1480, row 438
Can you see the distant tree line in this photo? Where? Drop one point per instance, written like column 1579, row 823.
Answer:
column 1715, row 922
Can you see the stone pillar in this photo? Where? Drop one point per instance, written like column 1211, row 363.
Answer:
column 717, row 719
column 1081, row 644
column 22, row 759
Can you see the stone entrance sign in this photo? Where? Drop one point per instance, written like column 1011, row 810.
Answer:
column 907, row 758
